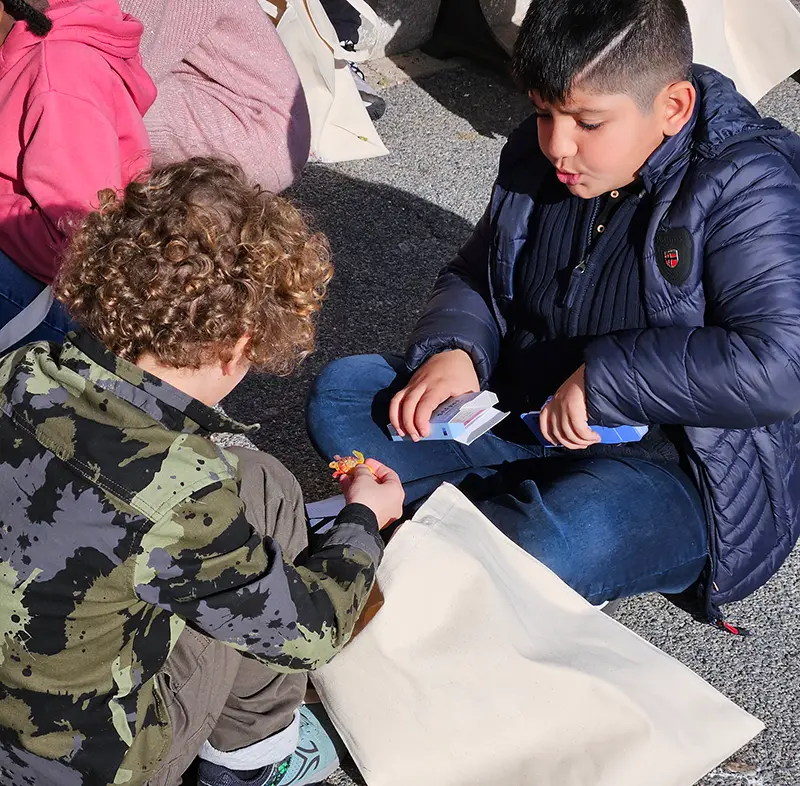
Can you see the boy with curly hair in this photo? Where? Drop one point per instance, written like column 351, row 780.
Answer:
column 158, row 594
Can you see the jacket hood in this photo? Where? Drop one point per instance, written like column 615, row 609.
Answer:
column 96, row 23
column 722, row 117
column 99, row 24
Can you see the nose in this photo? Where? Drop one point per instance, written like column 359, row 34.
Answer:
column 556, row 139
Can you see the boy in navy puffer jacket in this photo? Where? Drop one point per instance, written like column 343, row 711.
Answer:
column 639, row 262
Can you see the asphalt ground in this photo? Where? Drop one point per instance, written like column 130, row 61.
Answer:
column 392, row 223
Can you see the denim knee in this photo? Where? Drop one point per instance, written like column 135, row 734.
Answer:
column 349, row 381
column 342, row 396
column 336, row 375
column 358, row 372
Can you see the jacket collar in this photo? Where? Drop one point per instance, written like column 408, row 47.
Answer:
column 176, row 410
column 721, row 116
column 670, row 154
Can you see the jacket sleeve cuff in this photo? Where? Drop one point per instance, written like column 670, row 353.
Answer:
column 612, row 392
column 419, row 352
column 356, row 526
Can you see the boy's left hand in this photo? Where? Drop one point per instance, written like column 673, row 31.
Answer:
column 564, row 420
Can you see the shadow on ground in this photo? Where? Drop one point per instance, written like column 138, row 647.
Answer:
column 387, row 247
column 491, row 104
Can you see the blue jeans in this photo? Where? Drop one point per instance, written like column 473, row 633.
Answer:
column 609, row 527
column 17, row 290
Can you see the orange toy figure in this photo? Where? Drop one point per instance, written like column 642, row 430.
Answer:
column 344, row 465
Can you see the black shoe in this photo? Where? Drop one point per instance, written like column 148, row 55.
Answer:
column 374, row 104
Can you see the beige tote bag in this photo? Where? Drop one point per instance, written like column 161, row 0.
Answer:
column 754, row 42
column 482, row 667
column 341, row 129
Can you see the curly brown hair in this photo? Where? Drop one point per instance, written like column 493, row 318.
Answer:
column 190, row 258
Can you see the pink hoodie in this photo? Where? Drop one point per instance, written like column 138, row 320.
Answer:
column 71, row 107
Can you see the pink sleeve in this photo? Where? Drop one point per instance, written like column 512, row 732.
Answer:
column 236, row 93
column 71, row 151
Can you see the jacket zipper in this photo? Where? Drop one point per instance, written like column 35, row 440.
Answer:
column 714, row 614
column 576, row 276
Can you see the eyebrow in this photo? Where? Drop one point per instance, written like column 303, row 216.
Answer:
column 578, row 111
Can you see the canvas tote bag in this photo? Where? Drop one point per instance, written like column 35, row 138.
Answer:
column 341, row 129
column 754, row 42
column 482, row 667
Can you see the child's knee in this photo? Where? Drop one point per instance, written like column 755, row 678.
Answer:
column 343, row 391
column 273, row 500
column 343, row 376
column 329, row 383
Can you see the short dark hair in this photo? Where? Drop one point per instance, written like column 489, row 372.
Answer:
column 636, row 47
column 32, row 13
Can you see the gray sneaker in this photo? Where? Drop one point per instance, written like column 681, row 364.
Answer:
column 314, row 759
column 375, row 105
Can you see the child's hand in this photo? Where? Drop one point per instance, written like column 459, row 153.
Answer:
column 564, row 419
column 379, row 488
column 447, row 374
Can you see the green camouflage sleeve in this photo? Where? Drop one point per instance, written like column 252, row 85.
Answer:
column 206, row 563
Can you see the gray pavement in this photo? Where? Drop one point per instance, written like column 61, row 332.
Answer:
column 392, row 223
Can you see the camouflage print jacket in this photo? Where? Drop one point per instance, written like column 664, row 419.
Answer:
column 119, row 523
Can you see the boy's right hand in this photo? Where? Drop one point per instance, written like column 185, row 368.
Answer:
column 447, row 374
column 379, row 488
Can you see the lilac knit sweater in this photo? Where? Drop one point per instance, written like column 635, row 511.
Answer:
column 226, row 85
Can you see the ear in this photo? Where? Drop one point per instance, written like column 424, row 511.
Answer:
column 677, row 102
column 238, row 357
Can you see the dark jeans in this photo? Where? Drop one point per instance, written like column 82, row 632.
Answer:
column 609, row 527
column 345, row 19
column 18, row 290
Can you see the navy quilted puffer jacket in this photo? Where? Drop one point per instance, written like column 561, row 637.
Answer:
column 721, row 291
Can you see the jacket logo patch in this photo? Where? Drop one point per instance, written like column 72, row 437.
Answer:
column 674, row 255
